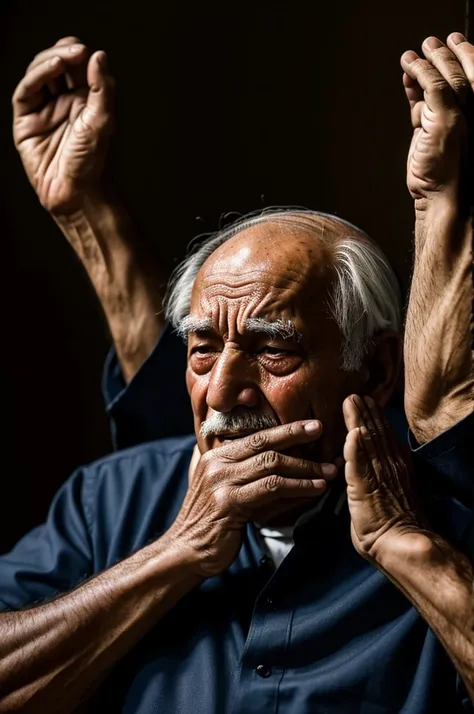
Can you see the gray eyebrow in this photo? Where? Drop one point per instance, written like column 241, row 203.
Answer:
column 283, row 329
column 193, row 324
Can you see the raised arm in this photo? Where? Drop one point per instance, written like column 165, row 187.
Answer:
column 62, row 120
column 439, row 335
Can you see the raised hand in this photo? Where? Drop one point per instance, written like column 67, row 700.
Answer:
column 62, row 120
column 378, row 476
column 248, row 479
column 438, row 90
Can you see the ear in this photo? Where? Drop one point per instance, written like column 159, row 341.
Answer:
column 382, row 366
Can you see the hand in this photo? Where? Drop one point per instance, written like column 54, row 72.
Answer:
column 241, row 481
column 378, row 476
column 439, row 90
column 62, row 120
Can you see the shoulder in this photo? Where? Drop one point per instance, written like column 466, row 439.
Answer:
column 162, row 450
column 153, row 471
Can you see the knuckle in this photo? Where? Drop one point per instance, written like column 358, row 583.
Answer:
column 273, row 483
column 257, row 441
column 459, row 83
column 221, row 497
column 269, row 460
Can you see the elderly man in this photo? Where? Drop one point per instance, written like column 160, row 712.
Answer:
column 286, row 315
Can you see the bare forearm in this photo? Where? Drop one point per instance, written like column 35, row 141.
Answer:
column 439, row 581
column 439, row 363
column 126, row 281
column 53, row 656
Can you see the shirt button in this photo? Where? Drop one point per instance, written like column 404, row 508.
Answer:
column 263, row 671
column 271, row 604
column 264, row 560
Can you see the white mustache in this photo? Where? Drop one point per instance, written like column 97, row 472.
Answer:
column 221, row 422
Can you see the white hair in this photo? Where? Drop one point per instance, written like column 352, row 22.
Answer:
column 365, row 298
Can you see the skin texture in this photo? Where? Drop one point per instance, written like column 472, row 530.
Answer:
column 52, row 656
column 439, row 333
column 277, row 272
column 389, row 529
column 63, row 117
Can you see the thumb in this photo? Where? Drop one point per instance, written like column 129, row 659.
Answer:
column 97, row 113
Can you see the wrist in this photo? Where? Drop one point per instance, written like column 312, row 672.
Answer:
column 398, row 552
column 438, row 209
column 185, row 554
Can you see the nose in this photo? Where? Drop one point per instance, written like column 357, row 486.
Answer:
column 231, row 383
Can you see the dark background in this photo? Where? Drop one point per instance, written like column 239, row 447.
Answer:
column 223, row 106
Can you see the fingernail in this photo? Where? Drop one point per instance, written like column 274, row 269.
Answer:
column 457, row 38
column 432, row 43
column 409, row 56
column 312, row 427
column 74, row 49
column 328, row 469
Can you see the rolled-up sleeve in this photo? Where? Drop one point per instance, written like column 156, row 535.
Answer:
column 155, row 403
column 54, row 557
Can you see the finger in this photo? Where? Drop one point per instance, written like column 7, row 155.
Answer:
column 438, row 95
column 273, row 488
column 273, row 462
column 464, row 52
column 356, row 456
column 69, row 40
column 373, row 422
column 369, row 437
column 352, row 417
column 448, row 65
column 101, row 85
column 72, row 54
column 413, row 90
column 278, row 437
column 414, row 94
column 29, row 94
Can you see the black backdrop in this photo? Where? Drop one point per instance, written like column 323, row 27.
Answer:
column 223, row 106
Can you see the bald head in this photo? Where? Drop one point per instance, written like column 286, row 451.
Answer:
column 330, row 256
column 288, row 249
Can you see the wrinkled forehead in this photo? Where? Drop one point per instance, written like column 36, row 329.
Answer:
column 281, row 271
column 280, row 251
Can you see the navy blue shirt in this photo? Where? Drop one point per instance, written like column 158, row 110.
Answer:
column 324, row 633
column 155, row 404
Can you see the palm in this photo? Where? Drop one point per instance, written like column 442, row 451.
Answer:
column 60, row 133
column 54, row 149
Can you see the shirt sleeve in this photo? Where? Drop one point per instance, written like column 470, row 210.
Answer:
column 54, row 557
column 155, row 403
column 448, row 460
